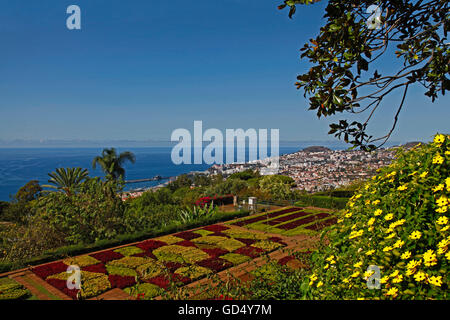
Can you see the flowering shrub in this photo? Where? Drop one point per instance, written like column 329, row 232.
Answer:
column 399, row 222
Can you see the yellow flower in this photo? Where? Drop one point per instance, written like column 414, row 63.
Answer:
column 406, row 255
column 348, row 215
column 358, row 196
column 402, row 188
column 442, row 201
column 358, row 264
column 423, row 174
column 442, row 220
column 429, row 258
column 312, row 279
column 355, row 274
column 375, row 202
column 367, row 202
column 439, row 139
column 436, row 281
column 447, row 255
column 392, row 292
column 378, row 212
column 384, row 279
column 442, row 209
column 420, row 276
column 447, row 182
column 397, row 279
column 394, row 274
column 371, row 221
column 330, row 258
column 388, row 217
column 399, row 244
column 370, row 252
column 415, row 235
column 443, row 243
column 390, row 236
column 326, row 266
column 438, row 159
column 319, row 284
column 445, row 228
column 387, row 248
column 413, row 264
column 368, row 273
column 355, row 234
column 439, row 187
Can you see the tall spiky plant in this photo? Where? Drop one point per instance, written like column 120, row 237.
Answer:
column 112, row 163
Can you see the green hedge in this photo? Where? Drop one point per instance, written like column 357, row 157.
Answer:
column 336, row 193
column 322, row 201
column 79, row 249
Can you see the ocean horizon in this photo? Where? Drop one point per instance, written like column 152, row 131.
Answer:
column 21, row 165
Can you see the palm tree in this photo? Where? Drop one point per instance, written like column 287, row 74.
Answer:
column 112, row 164
column 67, row 179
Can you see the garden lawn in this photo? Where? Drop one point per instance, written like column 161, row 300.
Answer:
column 156, row 264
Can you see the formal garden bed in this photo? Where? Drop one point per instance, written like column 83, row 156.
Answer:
column 147, row 269
column 289, row 221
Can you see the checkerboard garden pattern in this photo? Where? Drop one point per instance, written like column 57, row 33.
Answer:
column 289, row 221
column 157, row 263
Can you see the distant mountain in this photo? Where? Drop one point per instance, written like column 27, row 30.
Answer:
column 316, row 149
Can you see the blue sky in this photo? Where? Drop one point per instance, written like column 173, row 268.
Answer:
column 140, row 69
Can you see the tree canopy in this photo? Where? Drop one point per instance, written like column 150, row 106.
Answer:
column 347, row 74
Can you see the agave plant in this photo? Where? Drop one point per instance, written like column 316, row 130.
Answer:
column 67, row 179
column 191, row 214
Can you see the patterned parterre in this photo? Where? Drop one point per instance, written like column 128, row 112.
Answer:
column 158, row 263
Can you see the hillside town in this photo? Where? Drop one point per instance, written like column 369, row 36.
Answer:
column 318, row 168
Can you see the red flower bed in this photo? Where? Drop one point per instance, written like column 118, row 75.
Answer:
column 121, row 281
column 98, row 268
column 151, row 245
column 296, row 223
column 49, row 269
column 219, row 234
column 276, row 239
column 172, row 266
column 222, row 200
column 287, row 218
column 322, row 224
column 106, row 256
column 164, row 281
column 215, row 264
column 215, row 228
column 251, row 252
column 161, row 281
column 62, row 286
column 187, row 235
column 215, row 252
column 186, row 243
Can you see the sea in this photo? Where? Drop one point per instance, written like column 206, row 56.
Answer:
column 20, row 165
